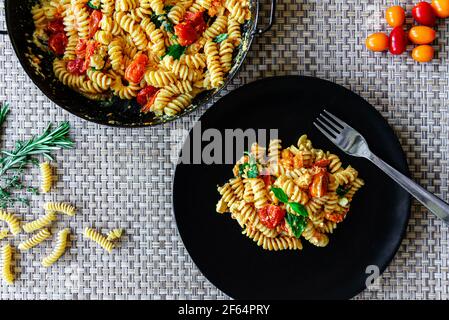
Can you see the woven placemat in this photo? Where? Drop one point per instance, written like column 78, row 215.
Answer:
column 123, row 178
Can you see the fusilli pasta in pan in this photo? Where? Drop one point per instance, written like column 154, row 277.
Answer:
column 289, row 193
column 136, row 49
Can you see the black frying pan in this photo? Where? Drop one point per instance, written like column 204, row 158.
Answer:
column 119, row 113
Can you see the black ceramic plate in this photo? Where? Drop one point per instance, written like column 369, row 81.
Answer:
column 370, row 235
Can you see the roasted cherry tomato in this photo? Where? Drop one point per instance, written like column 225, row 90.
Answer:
column 94, row 22
column 76, row 67
column 147, row 107
column 377, row 42
column 395, row 16
column 136, row 68
column 318, row 188
column 186, row 33
column 145, row 95
column 91, row 46
column 441, row 8
column 423, row 14
column 80, row 49
column 57, row 43
column 421, row 35
column 197, row 20
column 55, row 26
column 271, row 216
column 268, row 180
column 397, row 41
column 423, row 53
column 322, row 163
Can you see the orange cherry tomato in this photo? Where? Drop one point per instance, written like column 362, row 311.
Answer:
column 423, row 53
column 319, row 185
column 136, row 69
column 441, row 8
column 395, row 16
column 377, row 42
column 421, row 35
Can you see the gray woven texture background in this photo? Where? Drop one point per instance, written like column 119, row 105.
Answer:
column 120, row 177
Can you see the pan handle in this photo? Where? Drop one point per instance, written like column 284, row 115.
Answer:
column 260, row 31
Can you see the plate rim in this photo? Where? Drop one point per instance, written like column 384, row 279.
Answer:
column 401, row 153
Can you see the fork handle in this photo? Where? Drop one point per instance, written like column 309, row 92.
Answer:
column 435, row 205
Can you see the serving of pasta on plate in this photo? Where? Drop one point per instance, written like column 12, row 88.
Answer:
column 289, row 193
column 162, row 53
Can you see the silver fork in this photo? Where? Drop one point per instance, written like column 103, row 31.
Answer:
column 354, row 144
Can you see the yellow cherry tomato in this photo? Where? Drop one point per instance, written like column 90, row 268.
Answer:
column 423, row 53
column 441, row 8
column 395, row 16
column 421, row 35
column 377, row 42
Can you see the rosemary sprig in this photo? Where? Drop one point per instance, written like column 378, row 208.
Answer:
column 49, row 141
column 4, row 110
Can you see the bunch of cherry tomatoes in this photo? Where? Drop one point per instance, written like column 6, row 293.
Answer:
column 422, row 35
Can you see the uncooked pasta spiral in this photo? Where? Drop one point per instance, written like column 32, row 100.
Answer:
column 44, row 221
column 7, row 272
column 114, row 234
column 100, row 239
column 4, row 233
column 276, row 244
column 60, row 207
column 59, row 249
column 35, row 240
column 12, row 221
column 46, row 177
column 214, row 64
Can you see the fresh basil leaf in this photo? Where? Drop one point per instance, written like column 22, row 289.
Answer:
column 174, row 37
column 92, row 6
column 299, row 209
column 253, row 171
column 297, row 224
column 176, row 51
column 341, row 192
column 221, row 37
column 242, row 168
column 280, row 194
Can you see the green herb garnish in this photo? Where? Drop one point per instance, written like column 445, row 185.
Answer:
column 221, row 37
column 92, row 6
column 297, row 222
column 49, row 141
column 168, row 26
column 4, row 110
column 176, row 51
column 250, row 167
column 341, row 192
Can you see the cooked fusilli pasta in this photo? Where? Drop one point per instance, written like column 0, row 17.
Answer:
column 290, row 193
column 99, row 45
column 114, row 234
